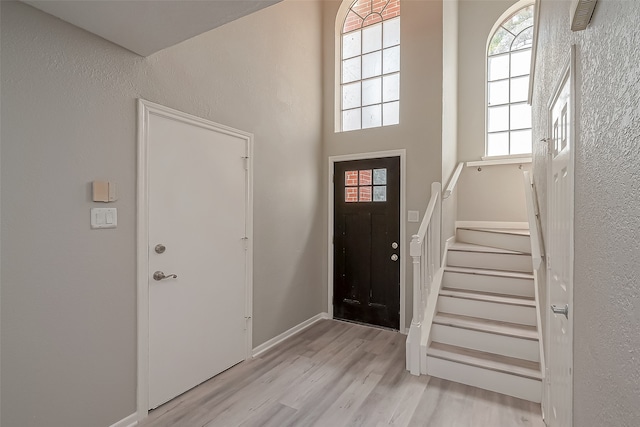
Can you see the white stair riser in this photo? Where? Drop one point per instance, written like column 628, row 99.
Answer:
column 519, row 348
column 493, row 284
column 524, row 315
column 492, row 261
column 513, row 242
column 500, row 382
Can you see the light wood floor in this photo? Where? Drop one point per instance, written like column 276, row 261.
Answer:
column 339, row 374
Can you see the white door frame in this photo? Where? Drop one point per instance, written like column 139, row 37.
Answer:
column 145, row 109
column 403, row 225
column 568, row 71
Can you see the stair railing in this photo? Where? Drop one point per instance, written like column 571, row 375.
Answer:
column 453, row 181
column 537, row 253
column 533, row 216
column 425, row 251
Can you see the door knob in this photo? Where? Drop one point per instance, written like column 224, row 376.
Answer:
column 159, row 275
column 394, row 257
column 394, row 245
column 160, row 248
column 560, row 310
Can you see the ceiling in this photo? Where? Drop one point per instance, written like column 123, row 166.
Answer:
column 148, row 26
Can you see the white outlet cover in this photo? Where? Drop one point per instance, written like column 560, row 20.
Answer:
column 104, row 217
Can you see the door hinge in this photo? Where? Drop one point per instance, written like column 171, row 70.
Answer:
column 245, row 160
column 245, row 241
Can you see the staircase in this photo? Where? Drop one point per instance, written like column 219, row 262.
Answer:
column 484, row 332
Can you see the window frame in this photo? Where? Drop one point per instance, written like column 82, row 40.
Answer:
column 341, row 16
column 509, row 13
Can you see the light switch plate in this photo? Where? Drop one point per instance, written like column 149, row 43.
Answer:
column 104, row 217
column 413, row 216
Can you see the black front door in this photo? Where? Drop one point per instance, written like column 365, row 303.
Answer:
column 366, row 269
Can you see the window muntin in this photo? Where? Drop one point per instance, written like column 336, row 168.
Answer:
column 370, row 65
column 508, row 69
column 365, row 185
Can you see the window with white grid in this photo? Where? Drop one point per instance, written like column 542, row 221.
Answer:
column 508, row 69
column 370, row 65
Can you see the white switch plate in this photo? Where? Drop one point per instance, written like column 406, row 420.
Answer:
column 104, row 217
column 413, row 216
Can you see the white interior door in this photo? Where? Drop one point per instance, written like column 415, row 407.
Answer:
column 560, row 254
column 197, row 189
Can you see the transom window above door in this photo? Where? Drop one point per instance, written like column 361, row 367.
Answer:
column 367, row 185
column 370, row 65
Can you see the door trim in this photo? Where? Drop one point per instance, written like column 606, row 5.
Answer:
column 568, row 72
column 145, row 109
column 403, row 223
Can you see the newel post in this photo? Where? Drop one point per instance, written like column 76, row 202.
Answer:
column 415, row 332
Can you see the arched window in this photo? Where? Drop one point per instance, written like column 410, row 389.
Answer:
column 369, row 35
column 508, row 69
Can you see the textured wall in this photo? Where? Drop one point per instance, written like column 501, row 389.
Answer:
column 606, row 383
column 420, row 128
column 69, row 117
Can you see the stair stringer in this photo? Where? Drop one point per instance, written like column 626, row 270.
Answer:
column 543, row 369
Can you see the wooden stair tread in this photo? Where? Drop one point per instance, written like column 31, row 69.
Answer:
column 512, row 231
column 469, row 247
column 480, row 359
column 497, row 273
column 488, row 297
column 485, row 325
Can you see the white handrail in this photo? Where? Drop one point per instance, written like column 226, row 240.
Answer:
column 499, row 161
column 536, row 249
column 453, row 181
column 537, row 252
column 425, row 252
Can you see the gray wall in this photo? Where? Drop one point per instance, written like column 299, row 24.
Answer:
column 496, row 193
column 606, row 383
column 476, row 18
column 449, row 112
column 68, row 117
column 420, row 128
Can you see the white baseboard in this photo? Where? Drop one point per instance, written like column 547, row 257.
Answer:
column 287, row 334
column 493, row 224
column 130, row 421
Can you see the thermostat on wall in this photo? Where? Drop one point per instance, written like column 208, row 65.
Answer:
column 104, row 191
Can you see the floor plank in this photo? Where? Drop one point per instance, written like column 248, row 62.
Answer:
column 338, row 374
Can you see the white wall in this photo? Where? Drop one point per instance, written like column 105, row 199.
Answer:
column 420, row 128
column 606, row 383
column 68, row 117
